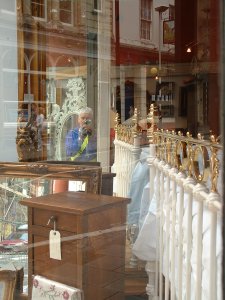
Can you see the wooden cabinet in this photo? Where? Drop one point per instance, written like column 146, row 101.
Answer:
column 93, row 233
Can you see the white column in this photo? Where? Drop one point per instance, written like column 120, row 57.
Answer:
column 104, row 84
column 9, row 86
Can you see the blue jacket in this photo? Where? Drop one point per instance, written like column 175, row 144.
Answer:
column 73, row 144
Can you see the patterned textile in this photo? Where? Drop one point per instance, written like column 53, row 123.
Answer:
column 44, row 288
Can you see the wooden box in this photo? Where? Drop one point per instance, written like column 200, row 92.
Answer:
column 93, row 233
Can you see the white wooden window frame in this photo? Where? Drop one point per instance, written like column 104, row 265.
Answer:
column 147, row 20
column 72, row 15
column 45, row 10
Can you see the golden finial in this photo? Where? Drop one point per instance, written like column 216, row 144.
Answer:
column 150, row 122
column 213, row 138
column 188, row 134
column 200, row 136
column 135, row 123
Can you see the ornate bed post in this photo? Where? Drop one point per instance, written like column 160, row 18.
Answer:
column 127, row 153
column 116, row 154
column 132, row 230
column 152, row 120
column 213, row 202
column 136, row 149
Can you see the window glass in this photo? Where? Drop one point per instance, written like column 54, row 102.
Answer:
column 146, row 6
column 72, row 74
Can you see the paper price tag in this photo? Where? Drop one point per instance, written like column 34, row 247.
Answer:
column 55, row 244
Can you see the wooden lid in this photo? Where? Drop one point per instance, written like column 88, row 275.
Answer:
column 74, row 202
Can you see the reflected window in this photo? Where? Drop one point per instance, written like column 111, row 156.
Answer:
column 65, row 12
column 38, row 8
column 97, row 5
column 146, row 16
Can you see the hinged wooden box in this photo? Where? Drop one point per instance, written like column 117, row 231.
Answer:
column 93, row 233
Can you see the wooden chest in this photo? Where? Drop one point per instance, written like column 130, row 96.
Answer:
column 93, row 233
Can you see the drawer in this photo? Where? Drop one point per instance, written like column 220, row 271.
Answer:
column 64, row 221
column 69, row 270
column 108, row 218
column 106, row 251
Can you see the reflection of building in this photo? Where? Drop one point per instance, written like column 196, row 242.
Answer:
column 57, row 41
column 137, row 50
column 127, row 56
column 194, row 75
column 117, row 54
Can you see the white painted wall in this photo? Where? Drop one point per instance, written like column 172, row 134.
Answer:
column 8, row 80
column 130, row 23
column 129, row 20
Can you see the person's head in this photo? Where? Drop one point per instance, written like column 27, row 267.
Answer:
column 85, row 117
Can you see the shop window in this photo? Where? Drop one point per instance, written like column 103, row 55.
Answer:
column 38, row 8
column 146, row 12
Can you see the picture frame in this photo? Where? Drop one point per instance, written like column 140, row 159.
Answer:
column 7, row 284
column 90, row 174
column 169, row 32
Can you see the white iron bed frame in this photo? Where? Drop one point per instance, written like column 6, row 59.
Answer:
column 183, row 212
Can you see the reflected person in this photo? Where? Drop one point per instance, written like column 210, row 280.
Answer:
column 40, row 124
column 81, row 143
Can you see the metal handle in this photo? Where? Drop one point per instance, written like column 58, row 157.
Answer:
column 53, row 219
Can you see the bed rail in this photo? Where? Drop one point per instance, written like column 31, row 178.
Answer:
column 127, row 153
column 129, row 138
column 184, row 209
column 188, row 210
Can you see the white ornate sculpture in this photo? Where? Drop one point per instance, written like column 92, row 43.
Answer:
column 76, row 99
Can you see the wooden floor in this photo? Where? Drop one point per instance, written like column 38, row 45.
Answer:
column 135, row 283
column 135, row 278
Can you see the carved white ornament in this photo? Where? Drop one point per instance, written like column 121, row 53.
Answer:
column 76, row 99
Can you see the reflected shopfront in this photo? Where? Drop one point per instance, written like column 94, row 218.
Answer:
column 115, row 56
column 154, row 54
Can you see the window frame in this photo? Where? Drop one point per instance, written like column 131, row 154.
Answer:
column 45, row 10
column 146, row 22
column 97, row 6
column 71, row 12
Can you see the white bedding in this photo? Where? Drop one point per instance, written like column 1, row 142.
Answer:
column 140, row 177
